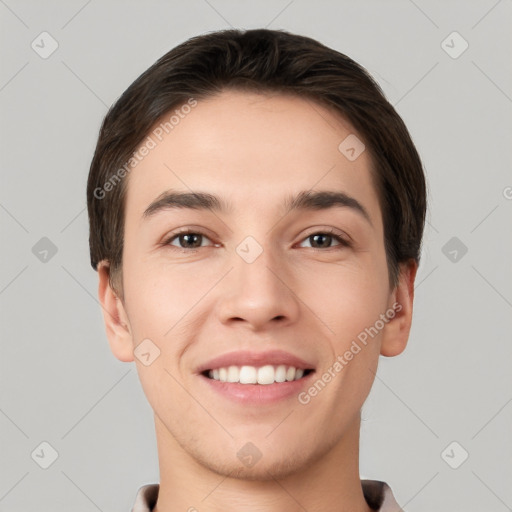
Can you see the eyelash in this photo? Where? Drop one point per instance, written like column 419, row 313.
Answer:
column 343, row 243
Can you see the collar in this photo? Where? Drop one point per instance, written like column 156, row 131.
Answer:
column 377, row 494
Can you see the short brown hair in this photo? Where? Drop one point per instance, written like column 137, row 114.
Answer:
column 258, row 60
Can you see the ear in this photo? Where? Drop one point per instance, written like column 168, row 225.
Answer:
column 114, row 315
column 396, row 332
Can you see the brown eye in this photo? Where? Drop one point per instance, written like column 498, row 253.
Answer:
column 187, row 240
column 320, row 240
column 324, row 240
column 190, row 240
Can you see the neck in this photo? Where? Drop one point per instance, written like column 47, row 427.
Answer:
column 327, row 482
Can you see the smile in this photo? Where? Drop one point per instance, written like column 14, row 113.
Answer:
column 263, row 375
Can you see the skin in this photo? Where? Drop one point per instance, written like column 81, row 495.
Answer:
column 254, row 150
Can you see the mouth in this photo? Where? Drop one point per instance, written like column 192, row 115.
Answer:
column 257, row 386
column 257, row 375
column 256, row 378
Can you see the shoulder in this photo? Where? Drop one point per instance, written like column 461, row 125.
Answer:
column 146, row 498
column 379, row 496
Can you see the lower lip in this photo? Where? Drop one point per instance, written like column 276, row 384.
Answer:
column 258, row 393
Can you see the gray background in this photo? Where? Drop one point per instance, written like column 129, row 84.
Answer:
column 60, row 383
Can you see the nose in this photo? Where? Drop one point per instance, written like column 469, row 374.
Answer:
column 259, row 295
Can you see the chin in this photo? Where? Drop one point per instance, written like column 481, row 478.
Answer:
column 265, row 467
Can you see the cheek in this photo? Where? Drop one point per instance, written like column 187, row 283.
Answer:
column 161, row 301
column 347, row 300
column 157, row 304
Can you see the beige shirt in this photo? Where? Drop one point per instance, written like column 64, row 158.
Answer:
column 377, row 494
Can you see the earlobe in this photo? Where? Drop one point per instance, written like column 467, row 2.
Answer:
column 396, row 333
column 114, row 315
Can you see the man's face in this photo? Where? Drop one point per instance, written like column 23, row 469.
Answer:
column 254, row 277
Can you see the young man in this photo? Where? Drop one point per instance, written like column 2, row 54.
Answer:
column 256, row 212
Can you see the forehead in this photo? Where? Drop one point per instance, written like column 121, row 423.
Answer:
column 250, row 147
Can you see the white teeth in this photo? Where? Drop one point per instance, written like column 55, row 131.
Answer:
column 263, row 375
column 233, row 374
column 248, row 375
column 266, row 375
column 290, row 373
column 280, row 373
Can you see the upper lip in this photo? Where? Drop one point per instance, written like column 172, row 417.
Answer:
column 251, row 358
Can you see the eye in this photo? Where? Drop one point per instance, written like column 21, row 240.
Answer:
column 324, row 239
column 194, row 239
column 187, row 240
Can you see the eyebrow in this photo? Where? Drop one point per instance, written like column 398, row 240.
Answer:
column 304, row 200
